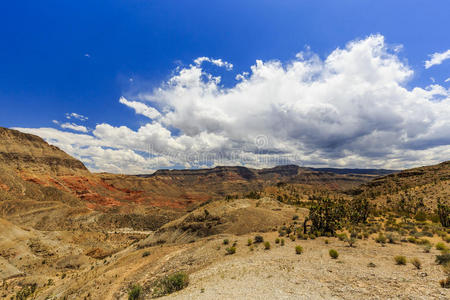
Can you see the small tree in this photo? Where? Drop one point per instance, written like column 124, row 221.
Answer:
column 326, row 215
column 359, row 210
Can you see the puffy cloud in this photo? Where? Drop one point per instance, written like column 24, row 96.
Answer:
column 76, row 116
column 437, row 58
column 74, row 126
column 218, row 62
column 351, row 109
column 140, row 108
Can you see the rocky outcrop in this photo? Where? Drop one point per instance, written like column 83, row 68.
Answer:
column 31, row 154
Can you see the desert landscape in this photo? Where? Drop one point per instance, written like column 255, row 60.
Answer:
column 287, row 232
column 225, row 150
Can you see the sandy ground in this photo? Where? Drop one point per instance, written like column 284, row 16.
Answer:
column 279, row 273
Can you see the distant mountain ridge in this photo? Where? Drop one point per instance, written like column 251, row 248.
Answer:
column 287, row 170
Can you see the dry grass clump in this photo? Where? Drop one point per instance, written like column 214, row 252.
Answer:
column 400, row 260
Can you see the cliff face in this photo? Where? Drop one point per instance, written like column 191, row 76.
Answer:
column 31, row 154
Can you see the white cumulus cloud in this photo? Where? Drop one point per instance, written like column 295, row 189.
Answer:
column 351, row 109
column 140, row 108
column 76, row 116
column 437, row 58
column 218, row 62
column 74, row 126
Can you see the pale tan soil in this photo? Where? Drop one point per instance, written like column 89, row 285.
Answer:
column 279, row 273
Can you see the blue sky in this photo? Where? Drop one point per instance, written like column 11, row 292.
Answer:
column 60, row 57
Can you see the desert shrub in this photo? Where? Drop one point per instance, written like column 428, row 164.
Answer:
column 302, row 236
column 277, row 241
column 392, row 238
column 371, row 265
column 134, row 292
column 351, row 242
column 440, row 246
column 445, row 283
column 230, row 250
column 171, row 284
column 342, row 236
column 412, row 239
column 423, row 242
column 420, row 216
column 400, row 260
column 327, row 242
column 26, row 291
column 258, row 239
column 333, row 254
column 253, row 195
column 358, row 210
column 416, row 263
column 226, row 241
column 427, row 248
column 443, row 211
column 443, row 259
column 266, row 245
column 292, row 237
column 298, row 249
column 295, row 217
column 249, row 242
column 447, row 239
column 380, row 238
column 282, row 242
column 312, row 236
column 146, row 253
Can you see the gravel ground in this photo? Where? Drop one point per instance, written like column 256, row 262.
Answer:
column 279, row 273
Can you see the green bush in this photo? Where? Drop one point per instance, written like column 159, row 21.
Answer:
column 226, row 241
column 412, row 239
column 342, row 236
column 298, row 249
column 421, row 216
column 380, row 238
column 441, row 246
column 267, row 245
column 26, row 291
column 351, row 242
column 277, row 241
column 230, row 250
column 443, row 259
column 249, row 242
column 400, row 260
column 282, row 242
column 146, row 253
column 171, row 284
column 392, row 238
column 259, row 239
column 134, row 292
column 292, row 237
column 333, row 254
